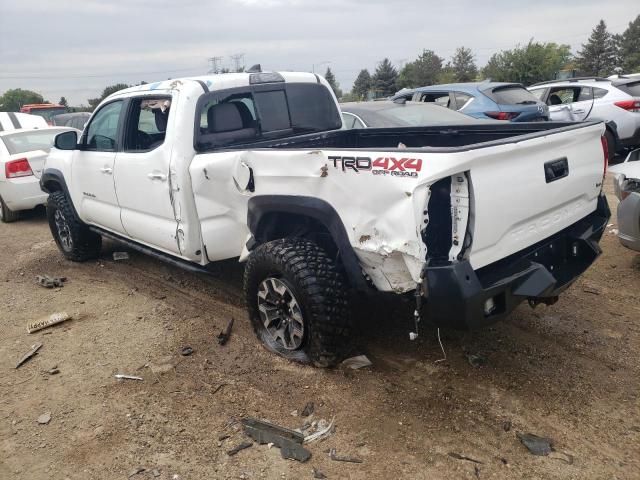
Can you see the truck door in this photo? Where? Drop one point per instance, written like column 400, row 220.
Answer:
column 92, row 187
column 142, row 174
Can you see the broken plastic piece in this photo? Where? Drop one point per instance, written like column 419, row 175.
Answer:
column 29, row 354
column 359, row 361
column 541, row 446
column 120, row 256
column 223, row 337
column 49, row 321
column 336, row 458
column 239, row 448
column 121, row 376
column 50, row 282
column 288, row 441
column 322, row 432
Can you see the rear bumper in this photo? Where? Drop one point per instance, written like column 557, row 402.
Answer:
column 22, row 193
column 457, row 295
column 629, row 221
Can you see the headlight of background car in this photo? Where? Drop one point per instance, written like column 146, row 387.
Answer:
column 626, row 186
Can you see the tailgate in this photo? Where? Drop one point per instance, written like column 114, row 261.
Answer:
column 526, row 191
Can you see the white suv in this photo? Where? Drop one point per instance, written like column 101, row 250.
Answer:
column 616, row 102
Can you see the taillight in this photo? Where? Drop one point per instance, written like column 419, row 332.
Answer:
column 605, row 153
column 502, row 115
column 629, row 105
column 17, row 168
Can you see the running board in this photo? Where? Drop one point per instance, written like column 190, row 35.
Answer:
column 165, row 257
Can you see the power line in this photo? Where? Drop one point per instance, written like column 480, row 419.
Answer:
column 237, row 58
column 213, row 62
column 103, row 75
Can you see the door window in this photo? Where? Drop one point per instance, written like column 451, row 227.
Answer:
column 147, row 123
column 103, row 130
column 462, row 99
column 441, row 99
column 563, row 95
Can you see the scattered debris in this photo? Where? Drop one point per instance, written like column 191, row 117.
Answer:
column 186, row 351
column 224, row 436
column 337, row 458
column 324, row 429
column 294, row 413
column 506, row 425
column 155, row 472
column 50, row 282
column 120, row 256
column 223, row 336
column 29, row 354
column 44, row 419
column 476, row 360
column 318, row 474
column 53, row 370
column 359, row 361
column 136, row 471
column 288, row 441
column 121, row 376
column 536, row 445
column 457, row 456
column 564, row 457
column 614, row 231
column 217, row 389
column 476, row 470
column 308, row 409
column 53, row 319
column 239, row 448
column 593, row 291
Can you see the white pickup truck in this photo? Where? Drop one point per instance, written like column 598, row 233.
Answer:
column 470, row 219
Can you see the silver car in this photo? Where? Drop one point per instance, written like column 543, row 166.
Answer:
column 627, row 188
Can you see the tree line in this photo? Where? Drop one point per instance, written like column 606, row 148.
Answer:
column 602, row 55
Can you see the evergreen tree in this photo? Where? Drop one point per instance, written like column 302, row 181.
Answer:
column 598, row 55
column 362, row 85
column 463, row 65
column 629, row 51
column 421, row 72
column 63, row 102
column 385, row 79
column 331, row 79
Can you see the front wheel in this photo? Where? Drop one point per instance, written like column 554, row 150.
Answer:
column 74, row 239
column 297, row 302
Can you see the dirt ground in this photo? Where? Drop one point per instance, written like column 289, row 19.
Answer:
column 570, row 372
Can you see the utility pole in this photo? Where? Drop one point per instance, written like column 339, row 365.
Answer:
column 213, row 64
column 238, row 59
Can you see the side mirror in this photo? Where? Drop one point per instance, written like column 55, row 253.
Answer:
column 66, row 140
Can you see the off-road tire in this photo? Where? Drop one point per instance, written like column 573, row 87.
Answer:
column 320, row 290
column 7, row 215
column 84, row 244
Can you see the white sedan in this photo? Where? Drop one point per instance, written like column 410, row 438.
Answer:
column 22, row 156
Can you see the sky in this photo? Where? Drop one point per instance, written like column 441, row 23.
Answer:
column 74, row 48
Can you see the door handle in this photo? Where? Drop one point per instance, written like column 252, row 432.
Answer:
column 107, row 170
column 157, row 176
column 556, row 169
column 577, row 111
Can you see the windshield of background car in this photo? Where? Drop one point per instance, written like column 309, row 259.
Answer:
column 512, row 95
column 416, row 115
column 630, row 88
column 21, row 142
column 267, row 113
column 47, row 113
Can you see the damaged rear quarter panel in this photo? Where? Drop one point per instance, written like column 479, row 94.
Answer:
column 382, row 214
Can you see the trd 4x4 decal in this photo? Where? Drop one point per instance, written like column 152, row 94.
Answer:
column 398, row 167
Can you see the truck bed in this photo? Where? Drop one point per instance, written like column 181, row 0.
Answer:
column 430, row 138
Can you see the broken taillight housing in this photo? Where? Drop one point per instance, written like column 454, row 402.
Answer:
column 502, row 115
column 17, row 168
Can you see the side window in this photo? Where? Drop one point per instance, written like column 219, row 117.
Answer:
column 538, row 93
column 347, row 121
column 147, row 123
column 586, row 94
column 563, row 95
column 462, row 99
column 441, row 99
column 599, row 92
column 103, row 129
